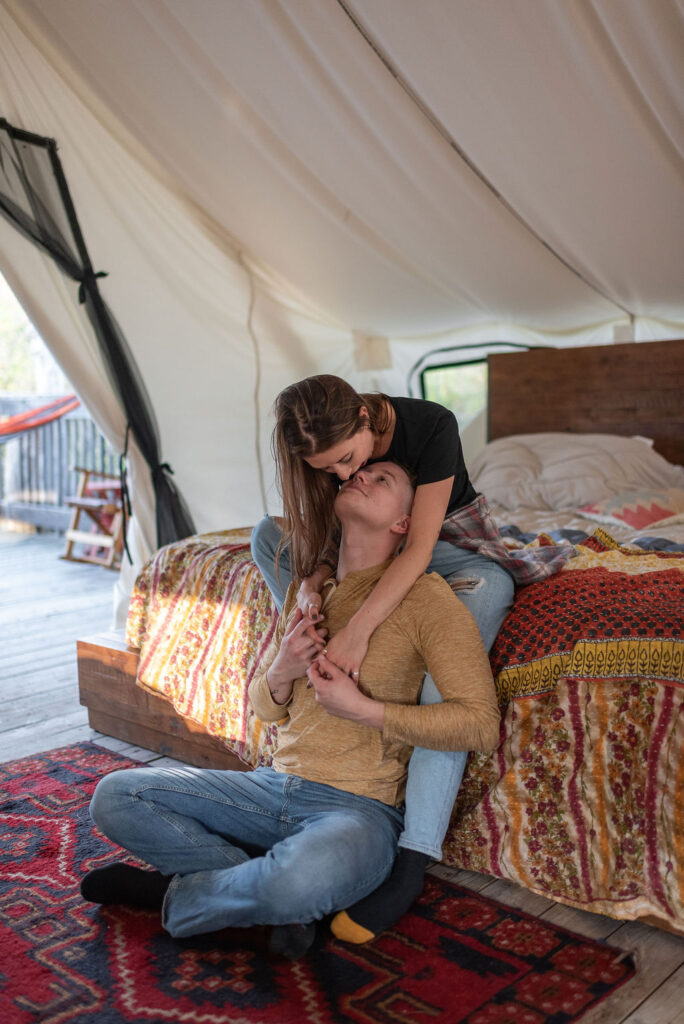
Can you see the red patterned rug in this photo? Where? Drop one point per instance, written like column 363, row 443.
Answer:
column 457, row 957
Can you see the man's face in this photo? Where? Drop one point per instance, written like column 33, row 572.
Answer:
column 380, row 495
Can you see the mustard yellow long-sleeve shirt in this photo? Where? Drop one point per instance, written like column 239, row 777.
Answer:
column 432, row 631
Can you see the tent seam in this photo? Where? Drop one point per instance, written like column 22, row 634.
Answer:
column 449, row 139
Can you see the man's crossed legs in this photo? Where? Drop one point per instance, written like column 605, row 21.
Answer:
column 246, row 848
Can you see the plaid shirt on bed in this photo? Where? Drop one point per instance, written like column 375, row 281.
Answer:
column 473, row 527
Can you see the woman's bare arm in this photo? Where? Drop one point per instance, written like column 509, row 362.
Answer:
column 347, row 648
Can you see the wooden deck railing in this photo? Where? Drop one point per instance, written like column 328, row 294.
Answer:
column 36, row 468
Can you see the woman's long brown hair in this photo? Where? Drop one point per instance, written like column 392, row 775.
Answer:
column 311, row 417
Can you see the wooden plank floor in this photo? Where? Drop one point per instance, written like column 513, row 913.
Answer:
column 46, row 604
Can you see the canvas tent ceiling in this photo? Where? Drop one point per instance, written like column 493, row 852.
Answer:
column 271, row 183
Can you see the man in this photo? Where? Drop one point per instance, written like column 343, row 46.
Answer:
column 290, row 844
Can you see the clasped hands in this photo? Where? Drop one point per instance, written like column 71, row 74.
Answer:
column 303, row 651
column 348, row 647
column 335, row 678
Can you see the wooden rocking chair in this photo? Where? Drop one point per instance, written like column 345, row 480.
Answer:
column 99, row 499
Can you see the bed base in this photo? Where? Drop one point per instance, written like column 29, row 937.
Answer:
column 119, row 707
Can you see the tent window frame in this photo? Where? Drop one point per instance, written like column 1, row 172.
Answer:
column 452, row 366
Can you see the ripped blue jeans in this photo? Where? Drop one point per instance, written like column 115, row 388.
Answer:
column 434, row 776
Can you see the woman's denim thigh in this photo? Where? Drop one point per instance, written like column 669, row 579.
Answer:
column 487, row 590
column 264, row 545
column 434, row 776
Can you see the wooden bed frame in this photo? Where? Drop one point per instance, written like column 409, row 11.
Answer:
column 617, row 389
column 604, row 389
column 119, row 707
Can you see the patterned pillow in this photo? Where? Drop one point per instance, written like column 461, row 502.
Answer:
column 638, row 509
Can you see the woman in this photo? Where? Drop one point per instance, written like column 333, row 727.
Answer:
column 325, row 432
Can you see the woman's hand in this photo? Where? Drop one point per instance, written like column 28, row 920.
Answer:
column 347, row 649
column 309, row 593
column 309, row 601
column 339, row 694
column 301, row 643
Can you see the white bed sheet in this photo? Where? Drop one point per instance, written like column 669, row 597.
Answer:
column 534, row 520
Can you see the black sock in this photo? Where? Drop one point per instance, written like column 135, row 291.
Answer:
column 291, row 940
column 390, row 901
column 123, row 883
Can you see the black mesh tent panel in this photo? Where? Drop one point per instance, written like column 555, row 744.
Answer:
column 35, row 199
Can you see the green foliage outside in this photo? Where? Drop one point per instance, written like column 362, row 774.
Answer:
column 16, row 332
column 463, row 389
column 26, row 365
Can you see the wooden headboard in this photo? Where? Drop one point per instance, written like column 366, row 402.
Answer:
column 608, row 389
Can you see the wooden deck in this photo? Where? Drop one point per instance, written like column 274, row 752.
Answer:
column 46, row 604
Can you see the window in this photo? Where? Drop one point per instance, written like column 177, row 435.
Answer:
column 461, row 387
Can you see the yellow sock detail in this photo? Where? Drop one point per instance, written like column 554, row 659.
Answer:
column 344, row 928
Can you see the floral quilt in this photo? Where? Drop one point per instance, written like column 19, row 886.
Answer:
column 583, row 799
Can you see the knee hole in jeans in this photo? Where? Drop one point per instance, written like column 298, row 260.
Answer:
column 466, row 584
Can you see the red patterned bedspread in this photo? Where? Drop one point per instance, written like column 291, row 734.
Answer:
column 583, row 799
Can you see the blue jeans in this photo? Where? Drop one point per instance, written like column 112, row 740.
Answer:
column 434, row 776
column 247, row 848
column 264, row 543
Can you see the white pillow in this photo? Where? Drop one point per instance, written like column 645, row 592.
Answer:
column 563, row 470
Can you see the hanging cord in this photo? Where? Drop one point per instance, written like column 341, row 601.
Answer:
column 125, row 494
column 257, row 381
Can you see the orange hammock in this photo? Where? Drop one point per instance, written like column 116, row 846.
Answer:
column 33, row 418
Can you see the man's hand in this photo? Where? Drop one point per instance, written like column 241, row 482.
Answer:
column 301, row 643
column 339, row 694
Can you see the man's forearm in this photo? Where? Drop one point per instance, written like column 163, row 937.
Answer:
column 468, row 725
column 370, row 712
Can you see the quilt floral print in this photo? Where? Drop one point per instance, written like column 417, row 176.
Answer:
column 583, row 799
column 202, row 618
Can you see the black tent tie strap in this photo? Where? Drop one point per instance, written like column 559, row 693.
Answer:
column 126, row 512
column 88, row 278
column 157, row 472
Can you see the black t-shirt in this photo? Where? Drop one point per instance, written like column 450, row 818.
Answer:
column 426, row 441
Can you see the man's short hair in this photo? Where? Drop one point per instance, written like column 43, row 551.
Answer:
column 413, row 479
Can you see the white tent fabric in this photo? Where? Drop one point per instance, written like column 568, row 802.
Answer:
column 273, row 183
